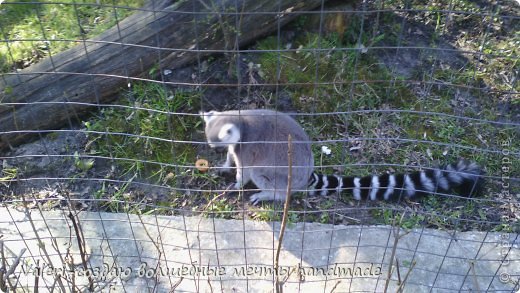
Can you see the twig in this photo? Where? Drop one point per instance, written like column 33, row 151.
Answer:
column 71, row 265
column 69, row 258
column 398, row 270
column 81, row 246
column 176, row 285
column 279, row 284
column 225, row 27
column 401, row 286
column 208, row 205
column 216, row 197
column 394, row 249
column 41, row 244
column 4, row 272
column 200, row 221
column 475, row 281
column 349, row 218
column 37, row 278
column 102, row 288
column 210, row 287
column 157, row 266
column 335, row 286
column 3, row 285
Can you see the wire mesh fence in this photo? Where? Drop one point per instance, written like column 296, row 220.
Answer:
column 107, row 180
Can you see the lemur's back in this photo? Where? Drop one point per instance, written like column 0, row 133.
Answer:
column 265, row 143
column 257, row 142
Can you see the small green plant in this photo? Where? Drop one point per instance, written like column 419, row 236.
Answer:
column 391, row 216
column 82, row 164
column 325, row 218
column 292, row 217
column 267, row 213
column 7, row 174
column 222, row 209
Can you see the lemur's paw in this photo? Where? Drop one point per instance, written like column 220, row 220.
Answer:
column 260, row 196
column 254, row 199
column 238, row 186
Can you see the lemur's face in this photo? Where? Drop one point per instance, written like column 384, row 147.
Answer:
column 221, row 132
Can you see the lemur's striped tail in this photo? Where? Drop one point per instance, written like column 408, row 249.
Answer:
column 463, row 176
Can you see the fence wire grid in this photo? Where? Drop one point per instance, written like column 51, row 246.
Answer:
column 101, row 136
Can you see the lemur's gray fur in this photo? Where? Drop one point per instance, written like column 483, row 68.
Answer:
column 257, row 143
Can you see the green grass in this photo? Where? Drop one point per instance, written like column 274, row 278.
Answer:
column 350, row 81
column 221, row 208
column 36, row 30
column 152, row 132
column 300, row 71
column 7, row 174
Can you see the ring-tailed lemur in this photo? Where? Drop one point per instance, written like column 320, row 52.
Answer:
column 257, row 142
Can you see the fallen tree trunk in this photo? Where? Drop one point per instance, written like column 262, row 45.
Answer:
column 49, row 94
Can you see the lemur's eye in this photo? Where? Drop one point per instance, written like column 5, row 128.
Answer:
column 229, row 131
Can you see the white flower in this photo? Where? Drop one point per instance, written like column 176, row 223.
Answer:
column 325, row 150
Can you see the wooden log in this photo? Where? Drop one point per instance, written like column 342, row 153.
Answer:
column 49, row 94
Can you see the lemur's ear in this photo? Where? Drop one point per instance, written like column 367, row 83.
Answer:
column 207, row 116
